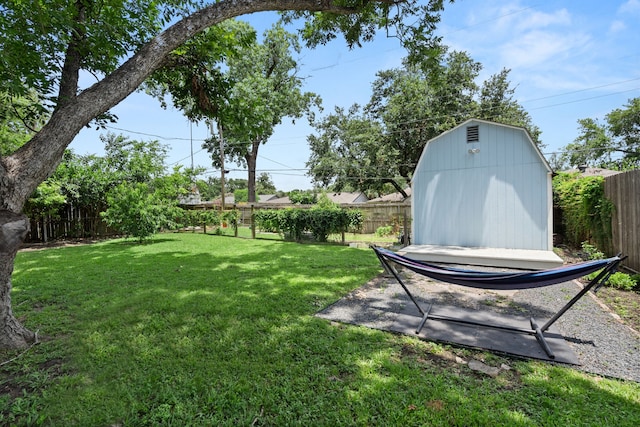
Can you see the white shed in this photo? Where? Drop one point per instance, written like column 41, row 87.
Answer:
column 484, row 187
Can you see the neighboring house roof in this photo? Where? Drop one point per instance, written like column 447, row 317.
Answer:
column 394, row 197
column 262, row 198
column 347, row 197
column 340, row 198
column 228, row 200
column 192, row 198
column 594, row 172
column 279, row 201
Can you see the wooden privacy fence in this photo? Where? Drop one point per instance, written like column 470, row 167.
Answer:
column 397, row 215
column 71, row 223
column 74, row 223
column 623, row 190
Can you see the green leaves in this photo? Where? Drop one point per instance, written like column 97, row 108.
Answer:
column 614, row 144
column 35, row 35
column 319, row 221
column 138, row 212
column 586, row 213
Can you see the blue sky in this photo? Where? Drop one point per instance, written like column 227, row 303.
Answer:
column 568, row 59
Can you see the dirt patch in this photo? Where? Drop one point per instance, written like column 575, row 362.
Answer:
column 56, row 244
column 625, row 304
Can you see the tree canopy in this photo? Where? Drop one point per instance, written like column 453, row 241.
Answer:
column 372, row 148
column 614, row 144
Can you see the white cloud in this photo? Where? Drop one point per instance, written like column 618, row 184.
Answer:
column 536, row 20
column 536, row 48
column 631, row 6
column 617, row 26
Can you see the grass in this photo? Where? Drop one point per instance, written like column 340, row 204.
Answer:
column 195, row 329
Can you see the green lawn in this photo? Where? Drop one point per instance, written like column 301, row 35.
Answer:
column 196, row 329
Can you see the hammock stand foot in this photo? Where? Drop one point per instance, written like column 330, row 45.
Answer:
column 540, row 337
column 425, row 317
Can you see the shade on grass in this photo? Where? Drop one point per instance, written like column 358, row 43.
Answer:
column 193, row 329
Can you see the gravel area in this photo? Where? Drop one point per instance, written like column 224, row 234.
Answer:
column 602, row 343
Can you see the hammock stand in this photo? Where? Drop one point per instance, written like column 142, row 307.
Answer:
column 500, row 281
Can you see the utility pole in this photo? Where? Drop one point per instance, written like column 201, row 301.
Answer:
column 191, row 139
column 222, row 171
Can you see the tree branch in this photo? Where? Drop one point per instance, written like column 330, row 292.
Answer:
column 73, row 59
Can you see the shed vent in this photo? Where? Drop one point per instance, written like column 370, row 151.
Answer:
column 473, row 133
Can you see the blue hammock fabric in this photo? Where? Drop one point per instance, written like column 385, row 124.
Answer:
column 498, row 280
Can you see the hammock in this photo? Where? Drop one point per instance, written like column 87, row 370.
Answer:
column 501, row 281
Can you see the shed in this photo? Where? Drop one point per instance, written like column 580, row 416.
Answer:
column 481, row 194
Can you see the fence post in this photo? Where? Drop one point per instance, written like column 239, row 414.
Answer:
column 204, row 222
column 235, row 223
column 253, row 224
column 405, row 233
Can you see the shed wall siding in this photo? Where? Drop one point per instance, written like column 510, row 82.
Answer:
column 498, row 197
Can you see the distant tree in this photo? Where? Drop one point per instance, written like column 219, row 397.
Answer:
column 264, row 90
column 624, row 127
column 241, row 195
column 209, row 189
column 264, row 184
column 614, row 144
column 592, row 146
column 348, row 154
column 303, row 197
column 496, row 104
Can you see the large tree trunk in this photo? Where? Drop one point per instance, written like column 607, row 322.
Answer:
column 13, row 230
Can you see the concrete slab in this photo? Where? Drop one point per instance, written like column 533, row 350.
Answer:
column 493, row 257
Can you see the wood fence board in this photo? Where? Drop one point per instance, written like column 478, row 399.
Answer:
column 623, row 190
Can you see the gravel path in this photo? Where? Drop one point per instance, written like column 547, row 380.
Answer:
column 602, row 343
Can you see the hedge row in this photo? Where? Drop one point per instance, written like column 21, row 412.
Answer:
column 293, row 223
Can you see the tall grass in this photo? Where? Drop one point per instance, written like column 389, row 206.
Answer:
column 194, row 329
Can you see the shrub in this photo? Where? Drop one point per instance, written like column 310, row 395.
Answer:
column 231, row 217
column 292, row 223
column 138, row 212
column 356, row 219
column 622, row 281
column 591, row 251
column 267, row 220
column 196, row 218
column 386, row 230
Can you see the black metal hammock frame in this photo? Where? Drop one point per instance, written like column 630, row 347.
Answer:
column 504, row 281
